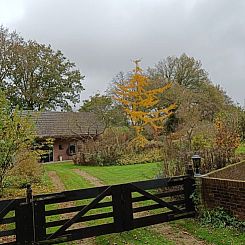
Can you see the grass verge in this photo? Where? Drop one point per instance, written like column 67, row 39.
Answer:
column 217, row 236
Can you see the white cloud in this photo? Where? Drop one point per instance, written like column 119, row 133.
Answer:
column 11, row 11
column 103, row 36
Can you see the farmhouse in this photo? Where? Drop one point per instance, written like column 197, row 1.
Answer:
column 65, row 129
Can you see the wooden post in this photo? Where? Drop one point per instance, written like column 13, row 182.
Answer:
column 28, row 193
column 24, row 224
column 189, row 188
column 117, row 207
column 127, row 205
column 189, row 170
column 122, row 207
column 30, row 220
column 39, row 220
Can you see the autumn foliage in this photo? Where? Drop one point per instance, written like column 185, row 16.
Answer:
column 227, row 138
column 141, row 104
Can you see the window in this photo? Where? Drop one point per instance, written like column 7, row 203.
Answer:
column 60, row 147
column 72, row 149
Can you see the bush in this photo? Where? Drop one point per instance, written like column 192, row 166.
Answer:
column 145, row 156
column 219, row 218
column 175, row 158
column 26, row 171
column 105, row 150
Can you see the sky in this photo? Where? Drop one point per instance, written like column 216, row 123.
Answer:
column 103, row 36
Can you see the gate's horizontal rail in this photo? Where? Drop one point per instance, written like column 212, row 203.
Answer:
column 7, row 220
column 160, row 218
column 157, row 206
column 82, row 219
column 75, row 209
column 7, row 233
column 82, row 233
column 160, row 195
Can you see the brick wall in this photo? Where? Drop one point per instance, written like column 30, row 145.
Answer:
column 229, row 194
column 61, row 153
column 233, row 172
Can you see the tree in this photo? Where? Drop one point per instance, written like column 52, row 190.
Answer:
column 16, row 134
column 36, row 77
column 197, row 99
column 184, row 70
column 242, row 123
column 227, row 138
column 103, row 106
column 141, row 104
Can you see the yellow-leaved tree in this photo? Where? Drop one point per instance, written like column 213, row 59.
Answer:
column 141, row 103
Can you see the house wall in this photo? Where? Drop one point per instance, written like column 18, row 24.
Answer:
column 59, row 154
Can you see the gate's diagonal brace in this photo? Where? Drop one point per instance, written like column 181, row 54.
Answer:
column 80, row 214
column 7, row 208
column 156, row 199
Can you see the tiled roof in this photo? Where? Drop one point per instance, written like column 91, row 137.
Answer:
column 66, row 124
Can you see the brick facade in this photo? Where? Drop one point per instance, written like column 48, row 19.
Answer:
column 226, row 193
column 61, row 149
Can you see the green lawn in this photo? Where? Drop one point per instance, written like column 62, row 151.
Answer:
column 129, row 173
column 217, row 236
column 70, row 179
column 241, row 149
column 112, row 174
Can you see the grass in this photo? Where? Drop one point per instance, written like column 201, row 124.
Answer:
column 241, row 149
column 111, row 174
column 70, row 179
column 135, row 237
column 217, row 236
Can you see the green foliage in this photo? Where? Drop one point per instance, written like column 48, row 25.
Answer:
column 102, row 105
column 241, row 122
column 105, row 150
column 144, row 156
column 198, row 100
column 16, row 134
column 184, row 70
column 27, row 170
column 227, row 138
column 217, row 236
column 201, row 141
column 219, row 218
column 241, row 149
column 175, row 158
column 36, row 77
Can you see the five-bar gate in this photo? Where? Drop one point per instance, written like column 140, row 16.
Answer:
column 78, row 214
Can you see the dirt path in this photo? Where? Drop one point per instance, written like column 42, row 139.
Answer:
column 59, row 187
column 89, row 178
column 178, row 236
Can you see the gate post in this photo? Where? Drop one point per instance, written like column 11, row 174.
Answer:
column 122, row 207
column 39, row 220
column 189, row 188
column 30, row 220
column 24, row 220
column 24, row 224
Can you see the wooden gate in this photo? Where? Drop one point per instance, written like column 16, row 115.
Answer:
column 78, row 214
